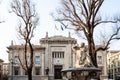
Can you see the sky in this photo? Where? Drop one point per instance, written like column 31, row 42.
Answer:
column 46, row 24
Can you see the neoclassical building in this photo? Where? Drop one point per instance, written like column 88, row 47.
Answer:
column 1, row 69
column 114, row 64
column 50, row 57
column 53, row 54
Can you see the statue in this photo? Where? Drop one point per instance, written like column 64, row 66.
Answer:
column 47, row 71
column 82, row 57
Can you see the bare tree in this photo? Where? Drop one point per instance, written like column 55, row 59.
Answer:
column 25, row 11
column 1, row 21
column 83, row 16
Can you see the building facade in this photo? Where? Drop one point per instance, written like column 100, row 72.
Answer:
column 102, row 64
column 5, row 71
column 114, row 64
column 50, row 57
column 1, row 69
column 5, row 68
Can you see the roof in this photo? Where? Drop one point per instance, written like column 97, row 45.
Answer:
column 22, row 46
column 114, row 51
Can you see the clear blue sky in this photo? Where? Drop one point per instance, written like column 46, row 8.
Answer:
column 47, row 24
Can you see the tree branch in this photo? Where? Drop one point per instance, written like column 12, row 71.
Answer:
column 100, row 22
column 109, row 40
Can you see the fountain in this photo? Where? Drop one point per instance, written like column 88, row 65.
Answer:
column 83, row 68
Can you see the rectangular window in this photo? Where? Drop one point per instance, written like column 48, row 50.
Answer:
column 57, row 54
column 99, row 60
column 16, row 59
column 53, row 55
column 62, row 54
column 28, row 59
column 0, row 68
column 16, row 70
column 37, row 59
column 118, row 69
column 37, row 70
column 118, row 63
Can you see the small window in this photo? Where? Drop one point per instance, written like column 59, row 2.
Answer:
column 37, row 59
column 53, row 55
column 62, row 54
column 16, row 59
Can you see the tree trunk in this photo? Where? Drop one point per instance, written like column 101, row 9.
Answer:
column 94, row 59
column 91, row 48
column 30, row 74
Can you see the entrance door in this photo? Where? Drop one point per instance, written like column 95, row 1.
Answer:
column 57, row 72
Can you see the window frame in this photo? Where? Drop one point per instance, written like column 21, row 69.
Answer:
column 37, row 59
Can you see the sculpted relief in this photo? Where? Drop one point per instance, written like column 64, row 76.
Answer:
column 82, row 57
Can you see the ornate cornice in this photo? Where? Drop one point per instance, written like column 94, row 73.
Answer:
column 58, row 40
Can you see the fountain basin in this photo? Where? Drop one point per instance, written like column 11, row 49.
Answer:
column 81, row 69
column 82, row 73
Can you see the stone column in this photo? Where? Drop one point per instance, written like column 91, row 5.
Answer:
column 105, row 63
column 43, row 64
column 73, row 59
column 104, row 75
